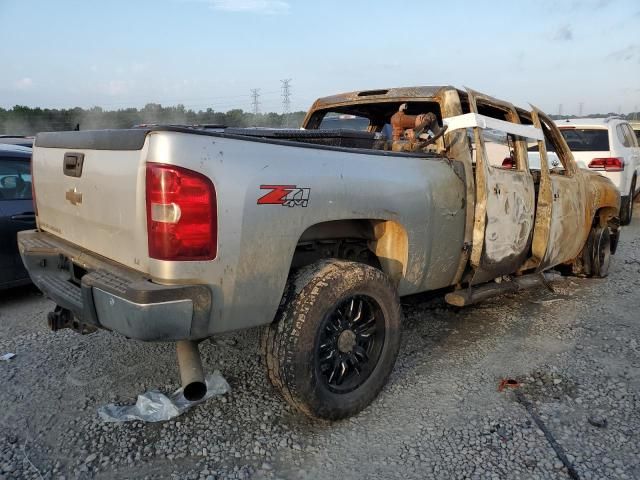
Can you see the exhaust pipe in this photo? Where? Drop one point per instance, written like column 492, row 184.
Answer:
column 191, row 374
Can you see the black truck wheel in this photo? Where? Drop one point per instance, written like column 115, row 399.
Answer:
column 335, row 339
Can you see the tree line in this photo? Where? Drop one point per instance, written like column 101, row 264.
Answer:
column 22, row 120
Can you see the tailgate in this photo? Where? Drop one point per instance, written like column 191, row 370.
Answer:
column 99, row 204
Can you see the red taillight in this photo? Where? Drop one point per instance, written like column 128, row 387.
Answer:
column 508, row 163
column 182, row 221
column 613, row 164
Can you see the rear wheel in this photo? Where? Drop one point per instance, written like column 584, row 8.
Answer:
column 335, row 340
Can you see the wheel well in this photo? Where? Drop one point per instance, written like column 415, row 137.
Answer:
column 382, row 244
column 607, row 216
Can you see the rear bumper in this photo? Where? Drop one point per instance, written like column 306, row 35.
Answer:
column 111, row 296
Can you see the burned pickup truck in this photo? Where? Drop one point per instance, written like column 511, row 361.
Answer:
column 168, row 233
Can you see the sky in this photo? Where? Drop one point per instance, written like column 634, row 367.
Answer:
column 203, row 54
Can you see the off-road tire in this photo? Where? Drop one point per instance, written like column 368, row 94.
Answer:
column 289, row 343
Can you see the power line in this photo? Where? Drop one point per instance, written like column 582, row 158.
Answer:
column 286, row 99
column 255, row 100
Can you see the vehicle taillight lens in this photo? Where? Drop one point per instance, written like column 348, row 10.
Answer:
column 508, row 163
column 613, row 164
column 182, row 221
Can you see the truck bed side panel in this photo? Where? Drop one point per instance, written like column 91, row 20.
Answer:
column 257, row 241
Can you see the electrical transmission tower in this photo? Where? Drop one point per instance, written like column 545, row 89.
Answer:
column 581, row 105
column 255, row 100
column 286, row 100
column 559, row 109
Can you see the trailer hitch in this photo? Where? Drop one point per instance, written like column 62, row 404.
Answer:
column 63, row 318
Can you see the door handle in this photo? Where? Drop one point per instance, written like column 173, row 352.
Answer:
column 24, row 217
column 72, row 164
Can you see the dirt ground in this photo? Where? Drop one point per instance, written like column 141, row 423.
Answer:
column 576, row 351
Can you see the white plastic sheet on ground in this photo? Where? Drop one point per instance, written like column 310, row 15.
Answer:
column 155, row 406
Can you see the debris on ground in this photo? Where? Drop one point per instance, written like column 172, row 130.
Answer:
column 155, row 406
column 598, row 421
column 7, row 356
column 507, row 383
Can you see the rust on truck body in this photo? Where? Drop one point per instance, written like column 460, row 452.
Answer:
column 507, row 229
column 504, row 209
column 570, row 200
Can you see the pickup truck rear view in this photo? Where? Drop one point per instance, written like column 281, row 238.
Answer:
column 168, row 233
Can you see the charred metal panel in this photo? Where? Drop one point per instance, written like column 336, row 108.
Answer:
column 391, row 246
column 504, row 209
column 459, row 151
column 406, row 94
column 567, row 204
column 563, row 218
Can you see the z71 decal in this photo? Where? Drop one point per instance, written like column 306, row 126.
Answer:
column 285, row 195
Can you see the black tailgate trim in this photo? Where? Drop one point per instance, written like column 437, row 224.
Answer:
column 121, row 139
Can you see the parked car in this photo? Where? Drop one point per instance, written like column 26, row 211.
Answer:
column 635, row 124
column 609, row 147
column 17, row 140
column 166, row 233
column 16, row 212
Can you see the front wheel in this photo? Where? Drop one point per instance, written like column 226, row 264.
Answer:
column 626, row 211
column 335, row 339
column 600, row 251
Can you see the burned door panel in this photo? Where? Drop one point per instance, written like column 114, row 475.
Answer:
column 505, row 197
column 561, row 225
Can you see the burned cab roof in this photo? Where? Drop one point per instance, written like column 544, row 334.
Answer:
column 366, row 96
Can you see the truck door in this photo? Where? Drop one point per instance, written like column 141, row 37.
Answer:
column 560, row 227
column 505, row 197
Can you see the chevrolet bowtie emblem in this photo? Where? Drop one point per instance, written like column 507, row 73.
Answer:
column 74, row 197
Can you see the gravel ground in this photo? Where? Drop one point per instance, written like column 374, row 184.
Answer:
column 576, row 353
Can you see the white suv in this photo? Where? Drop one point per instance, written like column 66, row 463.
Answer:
column 609, row 146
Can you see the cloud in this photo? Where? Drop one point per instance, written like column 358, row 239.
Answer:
column 264, row 7
column 563, row 34
column 23, row 84
column 628, row 54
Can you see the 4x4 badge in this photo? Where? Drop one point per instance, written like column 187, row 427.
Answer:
column 285, row 195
